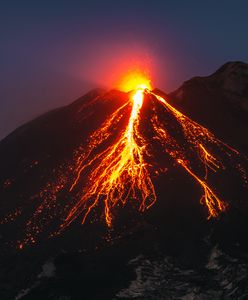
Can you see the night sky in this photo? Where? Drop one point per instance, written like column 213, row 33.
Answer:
column 52, row 52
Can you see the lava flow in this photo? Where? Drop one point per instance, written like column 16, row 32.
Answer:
column 117, row 164
column 196, row 135
column 121, row 172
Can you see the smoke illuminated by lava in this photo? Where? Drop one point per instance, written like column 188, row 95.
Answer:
column 112, row 168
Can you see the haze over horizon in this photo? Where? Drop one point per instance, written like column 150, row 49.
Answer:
column 53, row 53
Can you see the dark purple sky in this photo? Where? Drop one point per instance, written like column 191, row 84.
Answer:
column 52, row 52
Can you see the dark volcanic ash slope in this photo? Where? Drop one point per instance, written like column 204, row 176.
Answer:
column 37, row 159
column 219, row 101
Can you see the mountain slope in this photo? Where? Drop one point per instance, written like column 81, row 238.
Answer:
column 40, row 161
column 219, row 101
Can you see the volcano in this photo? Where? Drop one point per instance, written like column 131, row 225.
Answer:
column 115, row 175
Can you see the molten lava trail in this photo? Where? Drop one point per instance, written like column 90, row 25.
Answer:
column 121, row 171
column 197, row 137
column 112, row 168
column 213, row 203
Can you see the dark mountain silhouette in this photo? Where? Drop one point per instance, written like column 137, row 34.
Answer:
column 90, row 261
column 219, row 101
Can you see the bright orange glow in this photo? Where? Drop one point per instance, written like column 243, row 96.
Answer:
column 111, row 168
column 209, row 160
column 121, row 173
column 133, row 80
column 213, row 203
column 196, row 135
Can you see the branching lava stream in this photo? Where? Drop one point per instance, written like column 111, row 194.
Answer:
column 112, row 169
column 121, row 173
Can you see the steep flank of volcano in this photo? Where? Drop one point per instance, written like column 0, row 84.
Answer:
column 105, row 156
column 219, row 101
column 115, row 175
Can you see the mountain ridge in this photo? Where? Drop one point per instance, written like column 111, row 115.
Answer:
column 211, row 101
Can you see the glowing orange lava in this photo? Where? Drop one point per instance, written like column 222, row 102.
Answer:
column 134, row 80
column 213, row 203
column 196, row 135
column 121, row 171
column 111, row 169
